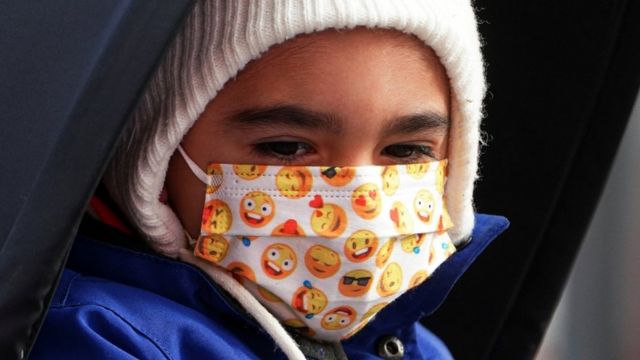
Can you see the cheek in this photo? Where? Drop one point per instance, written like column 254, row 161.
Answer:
column 442, row 148
column 185, row 194
column 210, row 138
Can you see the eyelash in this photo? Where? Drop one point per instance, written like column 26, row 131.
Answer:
column 264, row 149
column 418, row 152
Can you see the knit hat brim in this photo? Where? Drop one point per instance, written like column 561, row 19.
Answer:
column 217, row 41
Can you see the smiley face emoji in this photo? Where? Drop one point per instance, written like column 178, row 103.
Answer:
column 268, row 295
column 366, row 201
column 294, row 182
column 309, row 301
column 299, row 326
column 355, row 283
column 328, row 220
column 321, row 261
column 212, row 247
column 390, row 179
column 337, row 175
column 401, row 218
column 417, row 171
column 257, row 209
column 374, row 310
column 361, row 245
column 216, row 217
column 216, row 170
column 249, row 172
column 418, row 278
column 338, row 318
column 385, row 252
column 288, row 228
column 391, row 280
column 278, row 261
column 444, row 223
column 441, row 176
column 412, row 243
column 241, row 271
column 365, row 319
column 424, row 204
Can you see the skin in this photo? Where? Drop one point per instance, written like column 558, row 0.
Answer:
column 335, row 98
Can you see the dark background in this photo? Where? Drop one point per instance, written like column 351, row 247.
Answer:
column 563, row 77
column 70, row 71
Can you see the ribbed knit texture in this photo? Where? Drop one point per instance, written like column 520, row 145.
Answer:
column 220, row 37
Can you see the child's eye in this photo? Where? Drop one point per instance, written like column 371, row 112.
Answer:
column 409, row 152
column 284, row 150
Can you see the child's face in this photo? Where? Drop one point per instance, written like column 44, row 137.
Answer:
column 352, row 97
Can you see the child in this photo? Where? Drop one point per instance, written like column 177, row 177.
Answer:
column 296, row 152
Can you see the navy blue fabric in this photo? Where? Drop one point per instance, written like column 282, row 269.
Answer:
column 117, row 303
column 70, row 73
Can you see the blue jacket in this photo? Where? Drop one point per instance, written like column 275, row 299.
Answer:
column 117, row 303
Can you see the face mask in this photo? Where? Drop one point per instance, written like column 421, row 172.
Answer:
column 325, row 248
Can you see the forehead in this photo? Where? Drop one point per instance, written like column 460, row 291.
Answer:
column 346, row 71
column 324, row 48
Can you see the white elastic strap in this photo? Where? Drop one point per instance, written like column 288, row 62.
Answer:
column 268, row 322
column 195, row 169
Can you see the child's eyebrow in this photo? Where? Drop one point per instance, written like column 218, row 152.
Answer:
column 417, row 122
column 299, row 117
column 284, row 115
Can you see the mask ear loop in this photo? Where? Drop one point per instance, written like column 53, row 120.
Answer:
column 195, row 169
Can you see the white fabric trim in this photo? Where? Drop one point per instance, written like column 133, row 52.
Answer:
column 195, row 169
column 270, row 324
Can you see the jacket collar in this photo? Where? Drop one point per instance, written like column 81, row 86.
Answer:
column 426, row 298
column 188, row 286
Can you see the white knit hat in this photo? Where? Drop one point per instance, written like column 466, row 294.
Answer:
column 221, row 36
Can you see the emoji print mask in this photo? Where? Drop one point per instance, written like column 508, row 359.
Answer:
column 324, row 248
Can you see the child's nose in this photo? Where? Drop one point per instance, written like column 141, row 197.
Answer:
column 351, row 153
